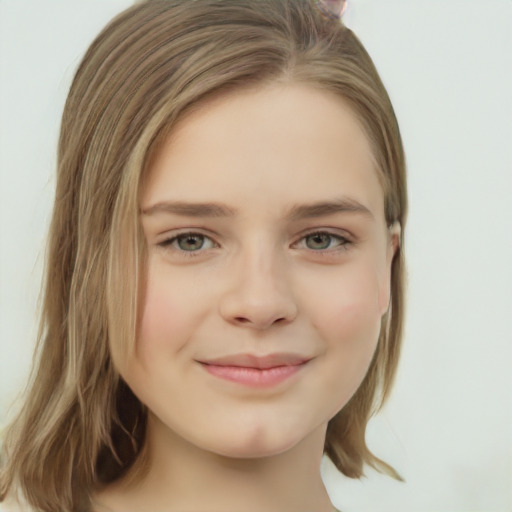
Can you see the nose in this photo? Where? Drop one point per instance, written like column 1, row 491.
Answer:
column 258, row 294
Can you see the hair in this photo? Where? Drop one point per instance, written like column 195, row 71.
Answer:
column 80, row 426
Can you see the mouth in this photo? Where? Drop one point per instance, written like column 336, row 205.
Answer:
column 258, row 362
column 256, row 371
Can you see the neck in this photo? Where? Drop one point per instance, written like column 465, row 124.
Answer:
column 183, row 477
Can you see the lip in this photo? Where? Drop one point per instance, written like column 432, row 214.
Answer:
column 258, row 362
column 255, row 371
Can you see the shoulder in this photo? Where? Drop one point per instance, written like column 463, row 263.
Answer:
column 9, row 504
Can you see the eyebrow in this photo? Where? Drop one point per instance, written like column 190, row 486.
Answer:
column 297, row 212
column 322, row 208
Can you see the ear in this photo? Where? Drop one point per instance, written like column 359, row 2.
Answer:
column 332, row 8
column 394, row 239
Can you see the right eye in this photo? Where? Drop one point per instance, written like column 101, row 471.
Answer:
column 188, row 243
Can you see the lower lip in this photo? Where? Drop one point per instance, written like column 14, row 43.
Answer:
column 253, row 377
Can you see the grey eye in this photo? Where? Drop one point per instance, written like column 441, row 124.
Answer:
column 318, row 241
column 190, row 242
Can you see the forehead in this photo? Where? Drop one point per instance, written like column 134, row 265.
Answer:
column 279, row 142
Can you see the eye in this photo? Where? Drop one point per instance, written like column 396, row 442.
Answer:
column 323, row 240
column 188, row 242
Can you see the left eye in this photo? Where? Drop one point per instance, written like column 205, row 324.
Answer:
column 321, row 241
column 189, row 242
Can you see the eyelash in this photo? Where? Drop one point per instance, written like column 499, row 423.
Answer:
column 344, row 243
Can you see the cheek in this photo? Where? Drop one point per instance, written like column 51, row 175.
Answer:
column 351, row 303
column 160, row 315
column 159, row 309
column 352, row 329
column 164, row 328
column 165, row 315
column 348, row 320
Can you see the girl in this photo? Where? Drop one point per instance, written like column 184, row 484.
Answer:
column 224, row 287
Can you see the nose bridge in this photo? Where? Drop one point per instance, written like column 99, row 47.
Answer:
column 259, row 292
column 261, row 260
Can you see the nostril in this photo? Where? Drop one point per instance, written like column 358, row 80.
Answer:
column 244, row 320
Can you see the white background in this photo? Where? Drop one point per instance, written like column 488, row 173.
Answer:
column 447, row 65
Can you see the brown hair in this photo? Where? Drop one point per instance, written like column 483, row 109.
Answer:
column 80, row 425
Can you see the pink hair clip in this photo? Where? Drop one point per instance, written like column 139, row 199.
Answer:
column 333, row 9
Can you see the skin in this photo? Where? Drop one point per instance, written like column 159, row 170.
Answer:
column 258, row 282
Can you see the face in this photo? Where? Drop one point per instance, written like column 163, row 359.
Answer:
column 268, row 270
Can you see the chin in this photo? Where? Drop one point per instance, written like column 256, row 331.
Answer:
column 251, row 451
column 259, row 441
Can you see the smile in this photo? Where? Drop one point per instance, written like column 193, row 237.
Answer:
column 253, row 377
column 255, row 371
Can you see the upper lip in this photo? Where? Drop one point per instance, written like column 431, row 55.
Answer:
column 255, row 361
